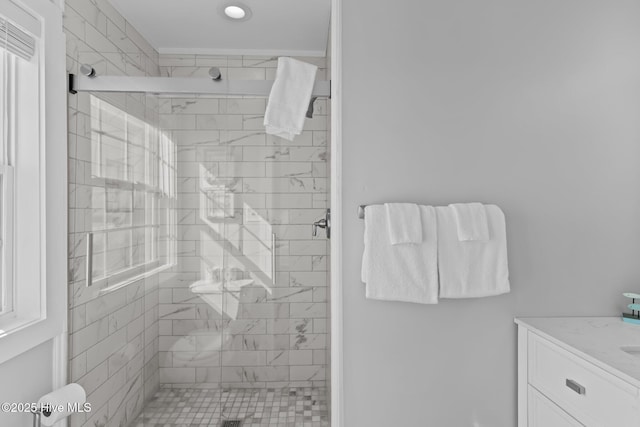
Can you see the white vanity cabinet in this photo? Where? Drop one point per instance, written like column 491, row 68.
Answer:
column 543, row 412
column 574, row 372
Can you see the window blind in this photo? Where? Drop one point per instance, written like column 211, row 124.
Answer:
column 15, row 40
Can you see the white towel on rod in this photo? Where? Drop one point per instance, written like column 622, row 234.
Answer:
column 473, row 268
column 471, row 221
column 289, row 98
column 404, row 223
column 400, row 272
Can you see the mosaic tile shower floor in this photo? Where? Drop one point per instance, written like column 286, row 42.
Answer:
column 285, row 407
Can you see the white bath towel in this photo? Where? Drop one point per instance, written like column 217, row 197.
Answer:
column 289, row 98
column 400, row 272
column 404, row 223
column 471, row 221
column 471, row 269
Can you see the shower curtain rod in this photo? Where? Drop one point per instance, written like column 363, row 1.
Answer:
column 181, row 85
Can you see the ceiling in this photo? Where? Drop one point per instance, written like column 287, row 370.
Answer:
column 276, row 27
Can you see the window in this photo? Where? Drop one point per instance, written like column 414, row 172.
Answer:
column 33, row 172
column 6, row 239
column 20, row 172
column 18, row 72
column 132, row 196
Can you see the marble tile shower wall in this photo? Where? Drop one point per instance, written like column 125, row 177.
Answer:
column 113, row 336
column 225, row 321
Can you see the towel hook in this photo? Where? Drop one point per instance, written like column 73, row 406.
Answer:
column 361, row 211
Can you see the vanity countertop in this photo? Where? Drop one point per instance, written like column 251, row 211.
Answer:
column 596, row 339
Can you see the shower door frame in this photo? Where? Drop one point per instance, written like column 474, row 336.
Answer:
column 335, row 281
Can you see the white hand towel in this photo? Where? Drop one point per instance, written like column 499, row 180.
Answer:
column 400, row 272
column 289, row 98
column 471, row 221
column 404, row 223
column 472, row 269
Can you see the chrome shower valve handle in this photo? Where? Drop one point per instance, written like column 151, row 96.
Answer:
column 323, row 223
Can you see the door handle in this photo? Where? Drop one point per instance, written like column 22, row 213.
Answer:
column 89, row 264
column 273, row 257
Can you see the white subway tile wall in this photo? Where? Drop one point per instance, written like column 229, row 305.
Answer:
column 114, row 337
column 237, row 186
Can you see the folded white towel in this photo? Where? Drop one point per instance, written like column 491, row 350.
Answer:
column 470, row 269
column 471, row 221
column 404, row 223
column 400, row 272
column 289, row 98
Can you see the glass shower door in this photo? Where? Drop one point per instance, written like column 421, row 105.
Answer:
column 122, row 196
column 243, row 314
column 208, row 297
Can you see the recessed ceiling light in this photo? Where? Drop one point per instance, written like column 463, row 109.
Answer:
column 236, row 11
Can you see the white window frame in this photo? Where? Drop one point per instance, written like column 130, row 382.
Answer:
column 39, row 306
column 22, row 201
column 6, row 237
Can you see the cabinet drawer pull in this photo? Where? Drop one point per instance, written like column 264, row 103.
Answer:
column 575, row 386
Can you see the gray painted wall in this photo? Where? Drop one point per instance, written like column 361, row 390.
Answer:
column 25, row 378
column 533, row 106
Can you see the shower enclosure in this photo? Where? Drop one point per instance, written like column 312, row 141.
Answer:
column 203, row 295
